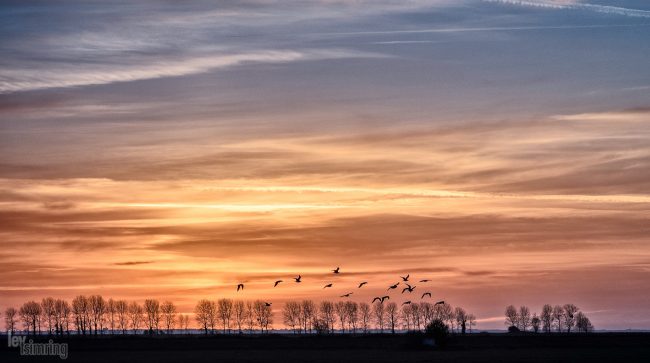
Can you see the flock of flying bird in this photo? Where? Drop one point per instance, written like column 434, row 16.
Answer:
column 381, row 299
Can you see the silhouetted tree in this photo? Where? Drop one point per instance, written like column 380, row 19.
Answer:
column 49, row 316
column 239, row 310
column 62, row 313
column 168, row 310
column 183, row 322
column 379, row 312
column 407, row 316
column 122, row 311
column 152, row 309
column 263, row 315
column 204, row 314
column 471, row 319
column 224, row 310
column 427, row 312
column 307, row 315
column 512, row 317
column 136, row 316
column 81, row 313
column 341, row 314
column 111, row 312
column 291, row 315
column 547, row 318
column 524, row 318
column 250, row 316
column 352, row 310
column 568, row 313
column 392, row 315
column 582, row 323
column 327, row 314
column 557, row 315
column 30, row 313
column 439, row 331
column 535, row 322
column 97, row 306
column 364, row 315
column 11, row 317
column 461, row 318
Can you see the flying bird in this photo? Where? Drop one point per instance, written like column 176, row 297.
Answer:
column 336, row 270
column 406, row 302
column 297, row 278
column 405, row 278
column 267, row 304
column 409, row 288
column 363, row 283
column 425, row 280
column 277, row 282
column 347, row 295
column 376, row 299
column 326, row 286
column 440, row 302
column 425, row 294
column 240, row 287
column 393, row 286
column 385, row 298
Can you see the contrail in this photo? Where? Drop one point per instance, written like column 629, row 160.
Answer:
column 606, row 9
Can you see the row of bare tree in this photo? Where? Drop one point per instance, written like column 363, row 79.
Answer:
column 95, row 315
column 553, row 318
column 305, row 316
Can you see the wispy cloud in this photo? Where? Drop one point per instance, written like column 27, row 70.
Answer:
column 576, row 5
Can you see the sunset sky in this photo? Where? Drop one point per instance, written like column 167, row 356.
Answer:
column 174, row 149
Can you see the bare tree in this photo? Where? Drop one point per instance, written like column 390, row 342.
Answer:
column 307, row 315
column 168, row 310
column 62, row 312
column 379, row 312
column 30, row 313
column 326, row 311
column 427, row 311
column 263, row 315
column 136, row 316
column 392, row 316
column 204, row 314
column 250, row 316
column 224, row 310
column 81, row 313
column 461, row 318
column 443, row 312
column 407, row 316
column 471, row 319
column 582, row 323
column 239, row 310
column 341, row 313
column 111, row 312
column 416, row 316
column 291, row 315
column 183, row 322
column 364, row 315
column 569, row 313
column 524, row 318
column 49, row 315
column 535, row 322
column 547, row 318
column 152, row 309
column 97, row 306
column 512, row 317
column 122, row 311
column 352, row 310
column 11, row 317
column 557, row 314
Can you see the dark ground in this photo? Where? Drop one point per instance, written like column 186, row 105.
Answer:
column 603, row 347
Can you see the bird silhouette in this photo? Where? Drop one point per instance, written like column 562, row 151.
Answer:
column 363, row 283
column 405, row 278
column 268, row 303
column 336, row 270
column 347, row 295
column 240, row 287
column 376, row 299
column 385, row 298
column 406, row 302
column 326, row 286
column 409, row 288
column 441, row 302
column 425, row 294
column 425, row 280
column 277, row 282
column 297, row 278
column 393, row 286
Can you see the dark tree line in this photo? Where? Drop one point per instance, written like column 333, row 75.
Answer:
column 558, row 318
